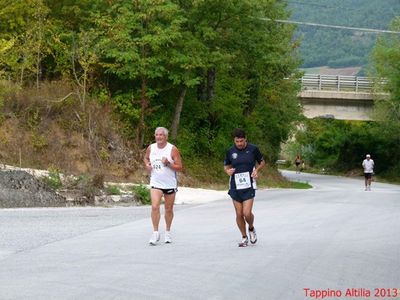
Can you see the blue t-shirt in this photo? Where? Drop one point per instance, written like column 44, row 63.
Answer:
column 243, row 161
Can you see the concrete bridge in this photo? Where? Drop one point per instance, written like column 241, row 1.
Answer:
column 336, row 96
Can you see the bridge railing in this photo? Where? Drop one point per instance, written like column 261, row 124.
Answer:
column 336, row 83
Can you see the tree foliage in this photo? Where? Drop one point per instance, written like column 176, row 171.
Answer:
column 201, row 68
column 323, row 46
column 386, row 66
column 342, row 145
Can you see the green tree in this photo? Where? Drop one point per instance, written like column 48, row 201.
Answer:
column 84, row 53
column 75, row 15
column 74, row 43
column 386, row 66
column 25, row 27
column 200, row 67
column 249, row 75
column 136, row 42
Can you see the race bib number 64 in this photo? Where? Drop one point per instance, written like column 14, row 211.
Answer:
column 242, row 180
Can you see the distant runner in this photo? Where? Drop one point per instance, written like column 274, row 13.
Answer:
column 240, row 165
column 297, row 162
column 368, row 165
column 162, row 160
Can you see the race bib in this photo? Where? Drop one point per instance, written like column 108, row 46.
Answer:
column 242, row 180
column 157, row 165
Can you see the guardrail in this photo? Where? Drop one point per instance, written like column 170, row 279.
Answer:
column 336, row 83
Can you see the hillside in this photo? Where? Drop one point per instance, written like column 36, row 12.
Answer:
column 44, row 129
column 50, row 129
column 338, row 47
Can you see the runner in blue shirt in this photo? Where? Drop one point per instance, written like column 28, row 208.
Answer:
column 242, row 163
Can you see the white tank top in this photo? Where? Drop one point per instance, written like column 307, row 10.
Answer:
column 162, row 176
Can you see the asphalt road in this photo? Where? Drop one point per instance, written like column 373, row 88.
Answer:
column 328, row 241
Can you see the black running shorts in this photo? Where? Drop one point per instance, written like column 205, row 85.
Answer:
column 242, row 195
column 166, row 191
column 368, row 175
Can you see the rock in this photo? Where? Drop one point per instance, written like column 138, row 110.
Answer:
column 21, row 189
column 119, row 200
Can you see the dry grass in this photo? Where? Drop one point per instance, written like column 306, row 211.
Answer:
column 44, row 129
column 39, row 130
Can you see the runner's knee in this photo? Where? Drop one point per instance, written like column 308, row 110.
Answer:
column 248, row 215
column 155, row 208
column 168, row 209
column 239, row 214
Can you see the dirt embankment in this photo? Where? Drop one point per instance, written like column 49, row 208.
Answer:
column 40, row 131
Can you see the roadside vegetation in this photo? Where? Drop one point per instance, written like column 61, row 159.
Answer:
column 338, row 147
column 295, row 185
column 83, row 84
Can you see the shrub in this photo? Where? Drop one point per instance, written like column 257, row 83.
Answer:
column 113, row 190
column 89, row 187
column 53, row 180
column 98, row 180
column 142, row 193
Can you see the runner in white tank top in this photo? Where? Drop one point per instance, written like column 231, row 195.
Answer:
column 162, row 161
column 162, row 176
column 368, row 165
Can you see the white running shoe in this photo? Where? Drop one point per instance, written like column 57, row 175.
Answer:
column 167, row 238
column 155, row 237
column 244, row 242
column 253, row 236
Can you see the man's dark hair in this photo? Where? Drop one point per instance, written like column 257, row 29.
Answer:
column 239, row 133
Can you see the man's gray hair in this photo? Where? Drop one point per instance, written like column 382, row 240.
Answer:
column 165, row 130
